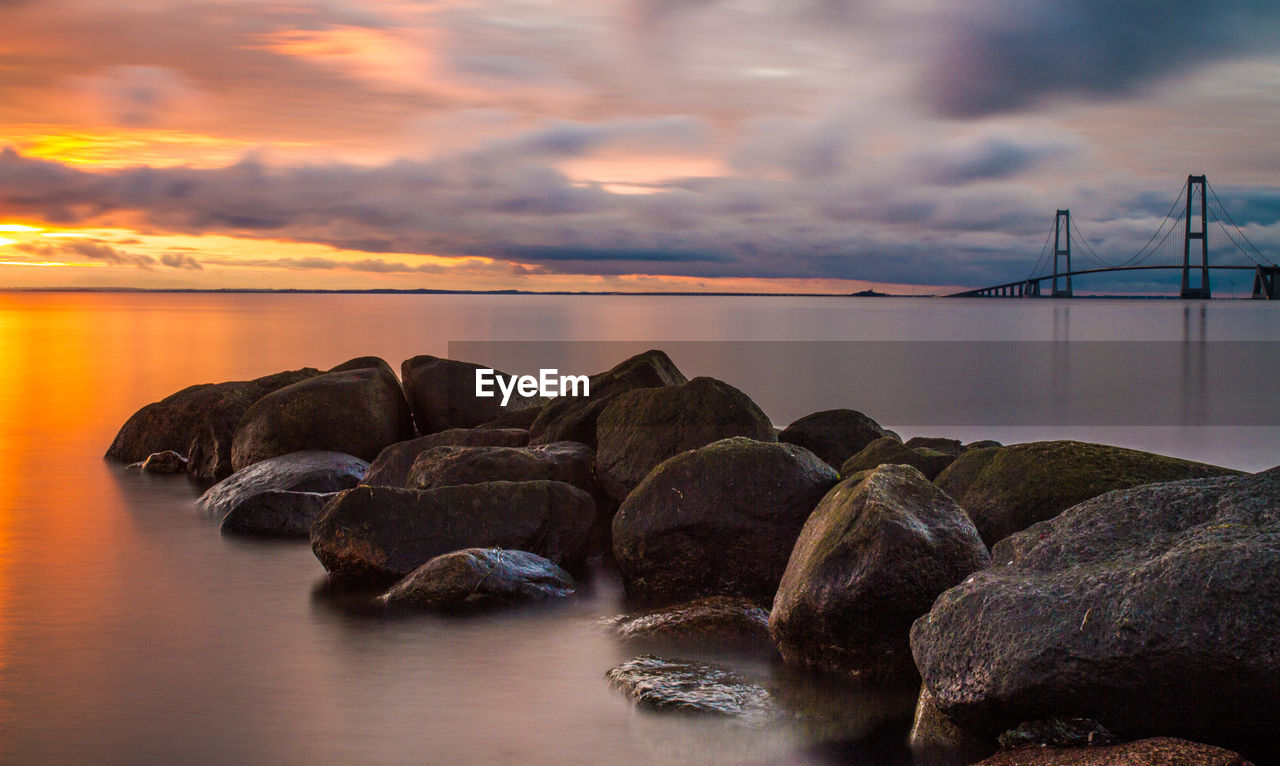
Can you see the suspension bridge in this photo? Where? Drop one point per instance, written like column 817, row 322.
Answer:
column 1197, row 204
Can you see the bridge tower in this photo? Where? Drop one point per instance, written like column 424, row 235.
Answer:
column 1188, row 290
column 1061, row 230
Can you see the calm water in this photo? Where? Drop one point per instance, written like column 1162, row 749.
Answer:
column 131, row 632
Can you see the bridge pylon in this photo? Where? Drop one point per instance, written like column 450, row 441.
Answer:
column 1061, row 230
column 1266, row 283
column 1202, row 289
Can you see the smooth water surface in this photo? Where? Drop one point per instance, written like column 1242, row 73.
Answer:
column 132, row 632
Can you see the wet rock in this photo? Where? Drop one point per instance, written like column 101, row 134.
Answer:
column 391, row 467
column 356, row 411
column 1153, row 610
column 198, row 421
column 872, row 558
column 310, row 471
column 693, row 687
column 522, row 419
column 641, row 428
column 442, row 394
column 981, row 444
column 574, row 419
column 718, row 520
column 890, row 451
column 480, row 577
column 1008, row 489
column 834, row 435
column 382, row 533
column 277, row 513
column 164, row 462
column 1158, row 751
column 707, row 620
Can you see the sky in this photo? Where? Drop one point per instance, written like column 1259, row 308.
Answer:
column 913, row 146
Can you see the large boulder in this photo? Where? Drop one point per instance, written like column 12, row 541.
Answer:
column 277, row 513
column 1010, row 488
column 1156, row 751
column 442, row 394
column 382, row 533
column 574, row 419
column 198, row 422
column 480, row 577
column 890, row 451
column 643, row 427
column 871, row 558
column 391, row 467
column 569, row 462
column 309, row 471
column 834, row 435
column 358, row 411
column 1153, row 610
column 718, row 520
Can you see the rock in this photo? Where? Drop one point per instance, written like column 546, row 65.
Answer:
column 198, row 421
column 1153, row 610
column 834, row 435
column 391, row 467
column 871, row 558
column 164, row 462
column 569, row 462
column 356, row 411
column 890, row 451
column 707, row 620
column 981, row 444
column 946, row 446
column 1158, row 751
column 311, row 471
column 522, row 419
column 693, row 687
column 277, row 513
column 641, row 428
column 933, row 734
column 574, row 419
column 1057, row 732
column 381, row 533
column 1011, row 488
column 718, row 520
column 478, row 577
column 442, row 395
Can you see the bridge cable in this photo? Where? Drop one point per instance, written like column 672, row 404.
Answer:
column 1138, row 256
column 1089, row 252
column 1265, row 261
column 1043, row 252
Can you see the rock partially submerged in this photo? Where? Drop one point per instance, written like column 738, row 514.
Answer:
column 198, row 421
column 719, row 520
column 1153, row 610
column 872, row 558
column 691, row 687
column 357, row 411
column 890, row 451
column 1008, row 489
column 309, row 471
column 834, row 435
column 384, row 533
column 641, row 428
column 164, row 463
column 480, row 577
column 569, row 462
column 442, row 394
column 707, row 620
column 277, row 513
column 1157, row 751
column 391, row 467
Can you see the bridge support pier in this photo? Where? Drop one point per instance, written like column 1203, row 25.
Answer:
column 1266, row 283
column 1201, row 290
